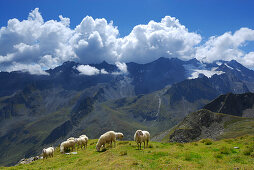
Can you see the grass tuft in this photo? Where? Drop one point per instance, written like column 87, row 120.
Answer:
column 123, row 142
column 224, row 150
column 206, row 141
column 180, row 145
column 150, row 146
column 122, row 153
column 218, row 156
column 247, row 150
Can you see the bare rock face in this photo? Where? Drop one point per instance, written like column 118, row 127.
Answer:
column 198, row 125
column 29, row 160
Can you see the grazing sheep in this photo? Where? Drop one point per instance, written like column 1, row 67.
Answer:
column 142, row 136
column 69, row 144
column 82, row 141
column 84, row 136
column 119, row 135
column 49, row 152
column 107, row 137
column 71, row 138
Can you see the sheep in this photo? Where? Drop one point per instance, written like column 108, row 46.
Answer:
column 71, row 138
column 119, row 135
column 82, row 141
column 49, row 152
column 86, row 138
column 107, row 137
column 83, row 136
column 141, row 136
column 69, row 144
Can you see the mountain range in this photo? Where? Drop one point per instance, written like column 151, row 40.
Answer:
column 42, row 110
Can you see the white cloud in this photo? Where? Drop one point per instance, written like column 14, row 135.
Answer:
column 88, row 70
column 248, row 60
column 30, row 43
column 103, row 71
column 122, row 67
column 227, row 47
column 167, row 38
column 95, row 40
column 207, row 73
column 35, row 42
column 32, row 69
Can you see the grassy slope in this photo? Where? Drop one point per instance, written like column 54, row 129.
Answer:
column 234, row 127
column 38, row 131
column 218, row 155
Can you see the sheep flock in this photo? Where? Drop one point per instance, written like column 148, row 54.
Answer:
column 109, row 138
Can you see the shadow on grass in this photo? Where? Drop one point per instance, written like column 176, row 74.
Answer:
column 103, row 150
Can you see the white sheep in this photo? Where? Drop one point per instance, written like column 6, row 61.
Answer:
column 82, row 141
column 140, row 137
column 107, row 137
column 69, row 144
column 119, row 135
column 49, row 152
column 84, row 136
column 71, row 138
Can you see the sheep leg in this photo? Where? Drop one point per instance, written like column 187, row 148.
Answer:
column 144, row 144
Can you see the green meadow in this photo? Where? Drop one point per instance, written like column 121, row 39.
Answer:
column 203, row 154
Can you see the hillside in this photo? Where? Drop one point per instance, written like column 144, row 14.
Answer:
column 234, row 104
column 206, row 124
column 204, row 154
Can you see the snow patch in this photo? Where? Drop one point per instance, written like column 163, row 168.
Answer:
column 229, row 66
column 207, row 73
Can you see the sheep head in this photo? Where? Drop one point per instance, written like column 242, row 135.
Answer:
column 121, row 136
column 98, row 147
column 139, row 133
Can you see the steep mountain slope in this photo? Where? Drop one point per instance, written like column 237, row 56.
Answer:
column 33, row 118
column 234, row 104
column 207, row 124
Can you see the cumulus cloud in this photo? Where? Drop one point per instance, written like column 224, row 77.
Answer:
column 88, row 70
column 227, row 47
column 103, row 71
column 122, row 67
column 32, row 69
column 167, row 38
column 34, row 42
column 42, row 44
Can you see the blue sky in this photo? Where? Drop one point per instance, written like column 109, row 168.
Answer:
column 33, row 37
column 207, row 17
